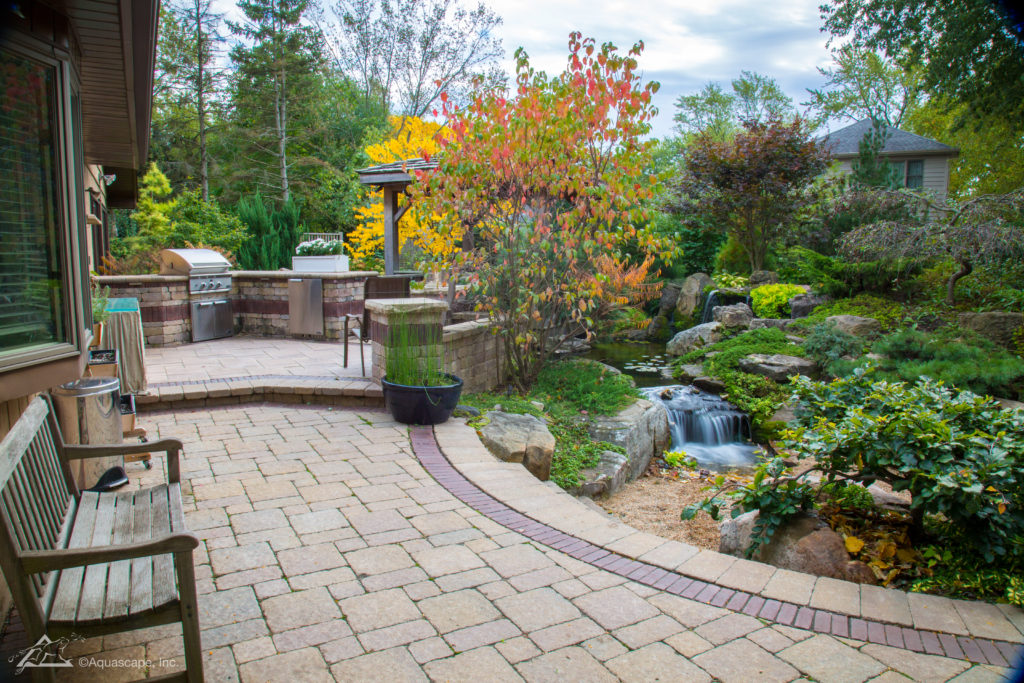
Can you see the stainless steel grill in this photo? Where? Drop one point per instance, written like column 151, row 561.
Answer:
column 209, row 288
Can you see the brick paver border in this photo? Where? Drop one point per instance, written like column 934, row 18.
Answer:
column 979, row 650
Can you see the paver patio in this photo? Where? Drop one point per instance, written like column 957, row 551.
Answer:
column 329, row 552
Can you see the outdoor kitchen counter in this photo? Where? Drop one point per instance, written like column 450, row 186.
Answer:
column 287, row 274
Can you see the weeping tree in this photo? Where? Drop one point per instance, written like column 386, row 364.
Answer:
column 987, row 230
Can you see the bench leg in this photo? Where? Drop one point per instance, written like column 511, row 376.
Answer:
column 189, row 616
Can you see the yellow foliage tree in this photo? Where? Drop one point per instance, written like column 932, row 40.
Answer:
column 411, row 137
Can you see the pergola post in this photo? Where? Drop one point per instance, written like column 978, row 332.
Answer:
column 390, row 231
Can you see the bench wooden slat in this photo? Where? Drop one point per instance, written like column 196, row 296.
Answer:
column 47, row 462
column 90, row 607
column 141, row 599
column 50, row 518
column 17, row 440
column 29, row 519
column 119, row 584
column 165, row 588
column 65, row 604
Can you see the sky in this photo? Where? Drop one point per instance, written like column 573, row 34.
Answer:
column 687, row 42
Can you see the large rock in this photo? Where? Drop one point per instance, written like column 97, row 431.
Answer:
column 657, row 329
column 520, row 438
column 691, row 293
column 689, row 372
column 777, row 323
column 736, row 316
column 804, row 544
column 695, row 338
column 778, row 367
column 640, row 428
column 669, row 296
column 763, row 277
column 801, row 305
column 997, row 326
column 607, row 478
column 855, row 325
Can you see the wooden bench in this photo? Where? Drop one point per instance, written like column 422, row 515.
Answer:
column 89, row 564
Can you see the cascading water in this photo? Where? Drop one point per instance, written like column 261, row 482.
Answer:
column 708, row 428
column 719, row 298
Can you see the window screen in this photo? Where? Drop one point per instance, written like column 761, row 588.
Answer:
column 32, row 285
column 915, row 174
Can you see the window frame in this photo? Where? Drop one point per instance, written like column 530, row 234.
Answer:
column 68, row 210
column 906, row 174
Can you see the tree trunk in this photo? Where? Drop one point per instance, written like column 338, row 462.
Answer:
column 281, row 116
column 204, row 162
column 965, row 269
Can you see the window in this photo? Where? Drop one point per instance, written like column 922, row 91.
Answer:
column 915, row 174
column 38, row 318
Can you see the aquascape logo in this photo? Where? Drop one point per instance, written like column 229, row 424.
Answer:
column 45, row 654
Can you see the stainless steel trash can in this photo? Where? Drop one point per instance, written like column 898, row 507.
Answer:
column 88, row 411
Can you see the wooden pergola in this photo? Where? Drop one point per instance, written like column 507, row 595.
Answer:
column 393, row 179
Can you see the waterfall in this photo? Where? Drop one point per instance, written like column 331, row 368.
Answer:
column 706, row 426
column 719, row 298
column 709, row 307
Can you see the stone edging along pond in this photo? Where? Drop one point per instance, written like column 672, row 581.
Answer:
column 509, row 495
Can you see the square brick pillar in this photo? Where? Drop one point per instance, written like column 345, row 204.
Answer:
column 425, row 314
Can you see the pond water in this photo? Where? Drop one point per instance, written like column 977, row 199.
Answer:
column 708, row 428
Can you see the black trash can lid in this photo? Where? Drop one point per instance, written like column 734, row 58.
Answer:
column 89, row 386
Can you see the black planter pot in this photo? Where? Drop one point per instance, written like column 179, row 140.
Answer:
column 419, row 405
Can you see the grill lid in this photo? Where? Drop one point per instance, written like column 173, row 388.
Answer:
column 192, row 262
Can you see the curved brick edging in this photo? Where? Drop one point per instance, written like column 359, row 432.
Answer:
column 973, row 649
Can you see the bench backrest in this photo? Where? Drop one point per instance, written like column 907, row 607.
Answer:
column 35, row 488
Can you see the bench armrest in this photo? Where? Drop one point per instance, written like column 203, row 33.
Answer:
column 36, row 561
column 170, row 446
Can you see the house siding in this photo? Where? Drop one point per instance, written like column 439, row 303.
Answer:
column 936, row 170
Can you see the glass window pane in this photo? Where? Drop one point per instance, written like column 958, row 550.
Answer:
column 32, row 288
column 915, row 174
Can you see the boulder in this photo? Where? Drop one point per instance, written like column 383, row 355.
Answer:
column 804, row 544
column 691, row 292
column 709, row 384
column 695, row 338
column 763, row 277
column 520, row 438
column 997, row 326
column 737, row 316
column 1010, row 404
column 777, row 323
column 669, row 296
column 778, row 367
column 657, row 329
column 641, row 429
column 801, row 305
column 854, row 324
column 689, row 372
column 607, row 478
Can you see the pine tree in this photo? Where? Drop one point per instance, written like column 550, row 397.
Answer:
column 870, row 169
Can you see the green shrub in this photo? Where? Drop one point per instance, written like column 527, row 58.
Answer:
column 960, row 455
column 838, row 278
column 958, row 358
column 827, row 345
column 887, row 312
column 729, row 351
column 732, row 257
column 726, row 280
column 772, row 301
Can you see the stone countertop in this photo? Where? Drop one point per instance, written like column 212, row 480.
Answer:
column 410, row 305
column 289, row 274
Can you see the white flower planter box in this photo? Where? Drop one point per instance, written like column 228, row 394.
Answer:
column 334, row 263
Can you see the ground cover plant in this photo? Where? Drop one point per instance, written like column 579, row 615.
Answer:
column 887, row 312
column 566, row 395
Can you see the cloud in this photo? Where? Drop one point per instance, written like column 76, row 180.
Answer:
column 687, row 42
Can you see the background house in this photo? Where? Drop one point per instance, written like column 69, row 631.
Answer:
column 922, row 162
column 76, row 82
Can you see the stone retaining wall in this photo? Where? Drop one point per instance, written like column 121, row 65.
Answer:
column 163, row 305
column 261, row 301
column 473, row 352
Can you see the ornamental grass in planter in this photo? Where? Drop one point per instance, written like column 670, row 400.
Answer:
column 417, row 390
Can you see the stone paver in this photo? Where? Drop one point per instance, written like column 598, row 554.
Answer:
column 329, row 553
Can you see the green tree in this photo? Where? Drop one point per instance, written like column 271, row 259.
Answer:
column 273, row 234
column 714, row 113
column 991, row 159
column 544, row 183
column 869, row 168
column 865, row 85
column 970, row 50
column 153, row 212
column 277, row 76
column 754, row 185
column 404, row 53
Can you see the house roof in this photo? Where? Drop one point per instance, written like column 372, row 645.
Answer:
column 396, row 173
column 845, row 142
